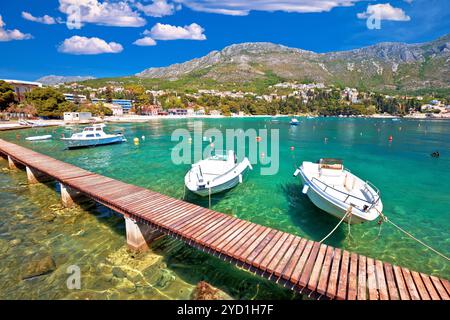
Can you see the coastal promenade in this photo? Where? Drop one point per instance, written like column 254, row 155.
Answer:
column 311, row 268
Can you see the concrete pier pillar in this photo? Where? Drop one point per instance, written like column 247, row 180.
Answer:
column 69, row 196
column 139, row 235
column 12, row 164
column 35, row 176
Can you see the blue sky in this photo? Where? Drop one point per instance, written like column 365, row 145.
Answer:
column 35, row 39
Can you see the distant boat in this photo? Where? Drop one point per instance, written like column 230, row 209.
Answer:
column 91, row 137
column 336, row 191
column 396, row 119
column 294, row 122
column 310, row 117
column 216, row 174
column 37, row 138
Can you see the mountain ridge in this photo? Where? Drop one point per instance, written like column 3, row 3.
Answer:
column 54, row 79
column 387, row 65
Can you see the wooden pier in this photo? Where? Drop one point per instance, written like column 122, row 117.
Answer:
column 311, row 268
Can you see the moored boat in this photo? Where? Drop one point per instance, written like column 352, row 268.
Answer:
column 38, row 138
column 216, row 174
column 338, row 192
column 294, row 122
column 92, row 136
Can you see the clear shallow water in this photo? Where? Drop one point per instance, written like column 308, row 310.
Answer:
column 414, row 188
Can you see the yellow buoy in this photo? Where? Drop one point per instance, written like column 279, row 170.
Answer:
column 136, row 140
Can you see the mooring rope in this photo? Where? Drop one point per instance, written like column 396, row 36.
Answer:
column 349, row 212
column 384, row 218
column 419, row 241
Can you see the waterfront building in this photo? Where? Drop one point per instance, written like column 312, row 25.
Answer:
column 22, row 87
column 215, row 113
column 115, row 108
column 177, row 112
column 77, row 117
column 124, row 103
column 75, row 98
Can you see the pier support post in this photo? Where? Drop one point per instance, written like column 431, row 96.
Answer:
column 12, row 164
column 69, row 195
column 35, row 176
column 139, row 235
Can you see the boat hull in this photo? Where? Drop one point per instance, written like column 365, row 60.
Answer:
column 331, row 206
column 217, row 189
column 85, row 143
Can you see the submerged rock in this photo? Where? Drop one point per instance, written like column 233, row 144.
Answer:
column 38, row 268
column 118, row 272
column 49, row 217
column 15, row 242
column 205, row 291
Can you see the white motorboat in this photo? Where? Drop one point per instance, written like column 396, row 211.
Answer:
column 92, row 136
column 294, row 122
column 339, row 192
column 216, row 174
column 38, row 138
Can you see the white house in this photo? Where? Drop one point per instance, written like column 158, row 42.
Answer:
column 77, row 117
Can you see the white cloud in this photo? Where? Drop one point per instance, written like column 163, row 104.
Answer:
column 384, row 11
column 145, row 42
column 169, row 32
column 46, row 19
column 82, row 45
column 243, row 7
column 9, row 35
column 159, row 8
column 117, row 14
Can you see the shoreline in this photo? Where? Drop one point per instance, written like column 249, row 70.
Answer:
column 14, row 125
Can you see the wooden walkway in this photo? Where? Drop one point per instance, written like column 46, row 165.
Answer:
column 303, row 265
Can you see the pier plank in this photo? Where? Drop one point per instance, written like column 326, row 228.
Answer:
column 263, row 265
column 439, row 288
column 362, row 278
column 430, row 287
column 371, row 280
column 296, row 273
column 334, row 273
column 404, row 295
column 413, row 293
column 288, row 257
column 390, row 279
column 420, row 286
column 353, row 277
column 318, row 265
column 381, row 280
column 280, row 254
column 344, row 276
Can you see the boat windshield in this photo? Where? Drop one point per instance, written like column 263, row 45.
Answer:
column 331, row 163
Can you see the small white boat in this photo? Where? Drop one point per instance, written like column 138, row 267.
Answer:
column 38, row 138
column 294, row 122
column 337, row 191
column 216, row 174
column 396, row 119
column 91, row 137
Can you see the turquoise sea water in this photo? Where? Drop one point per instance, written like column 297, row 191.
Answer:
column 414, row 189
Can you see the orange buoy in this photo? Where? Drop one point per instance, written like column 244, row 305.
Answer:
column 258, row 139
column 390, row 138
column 292, row 148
